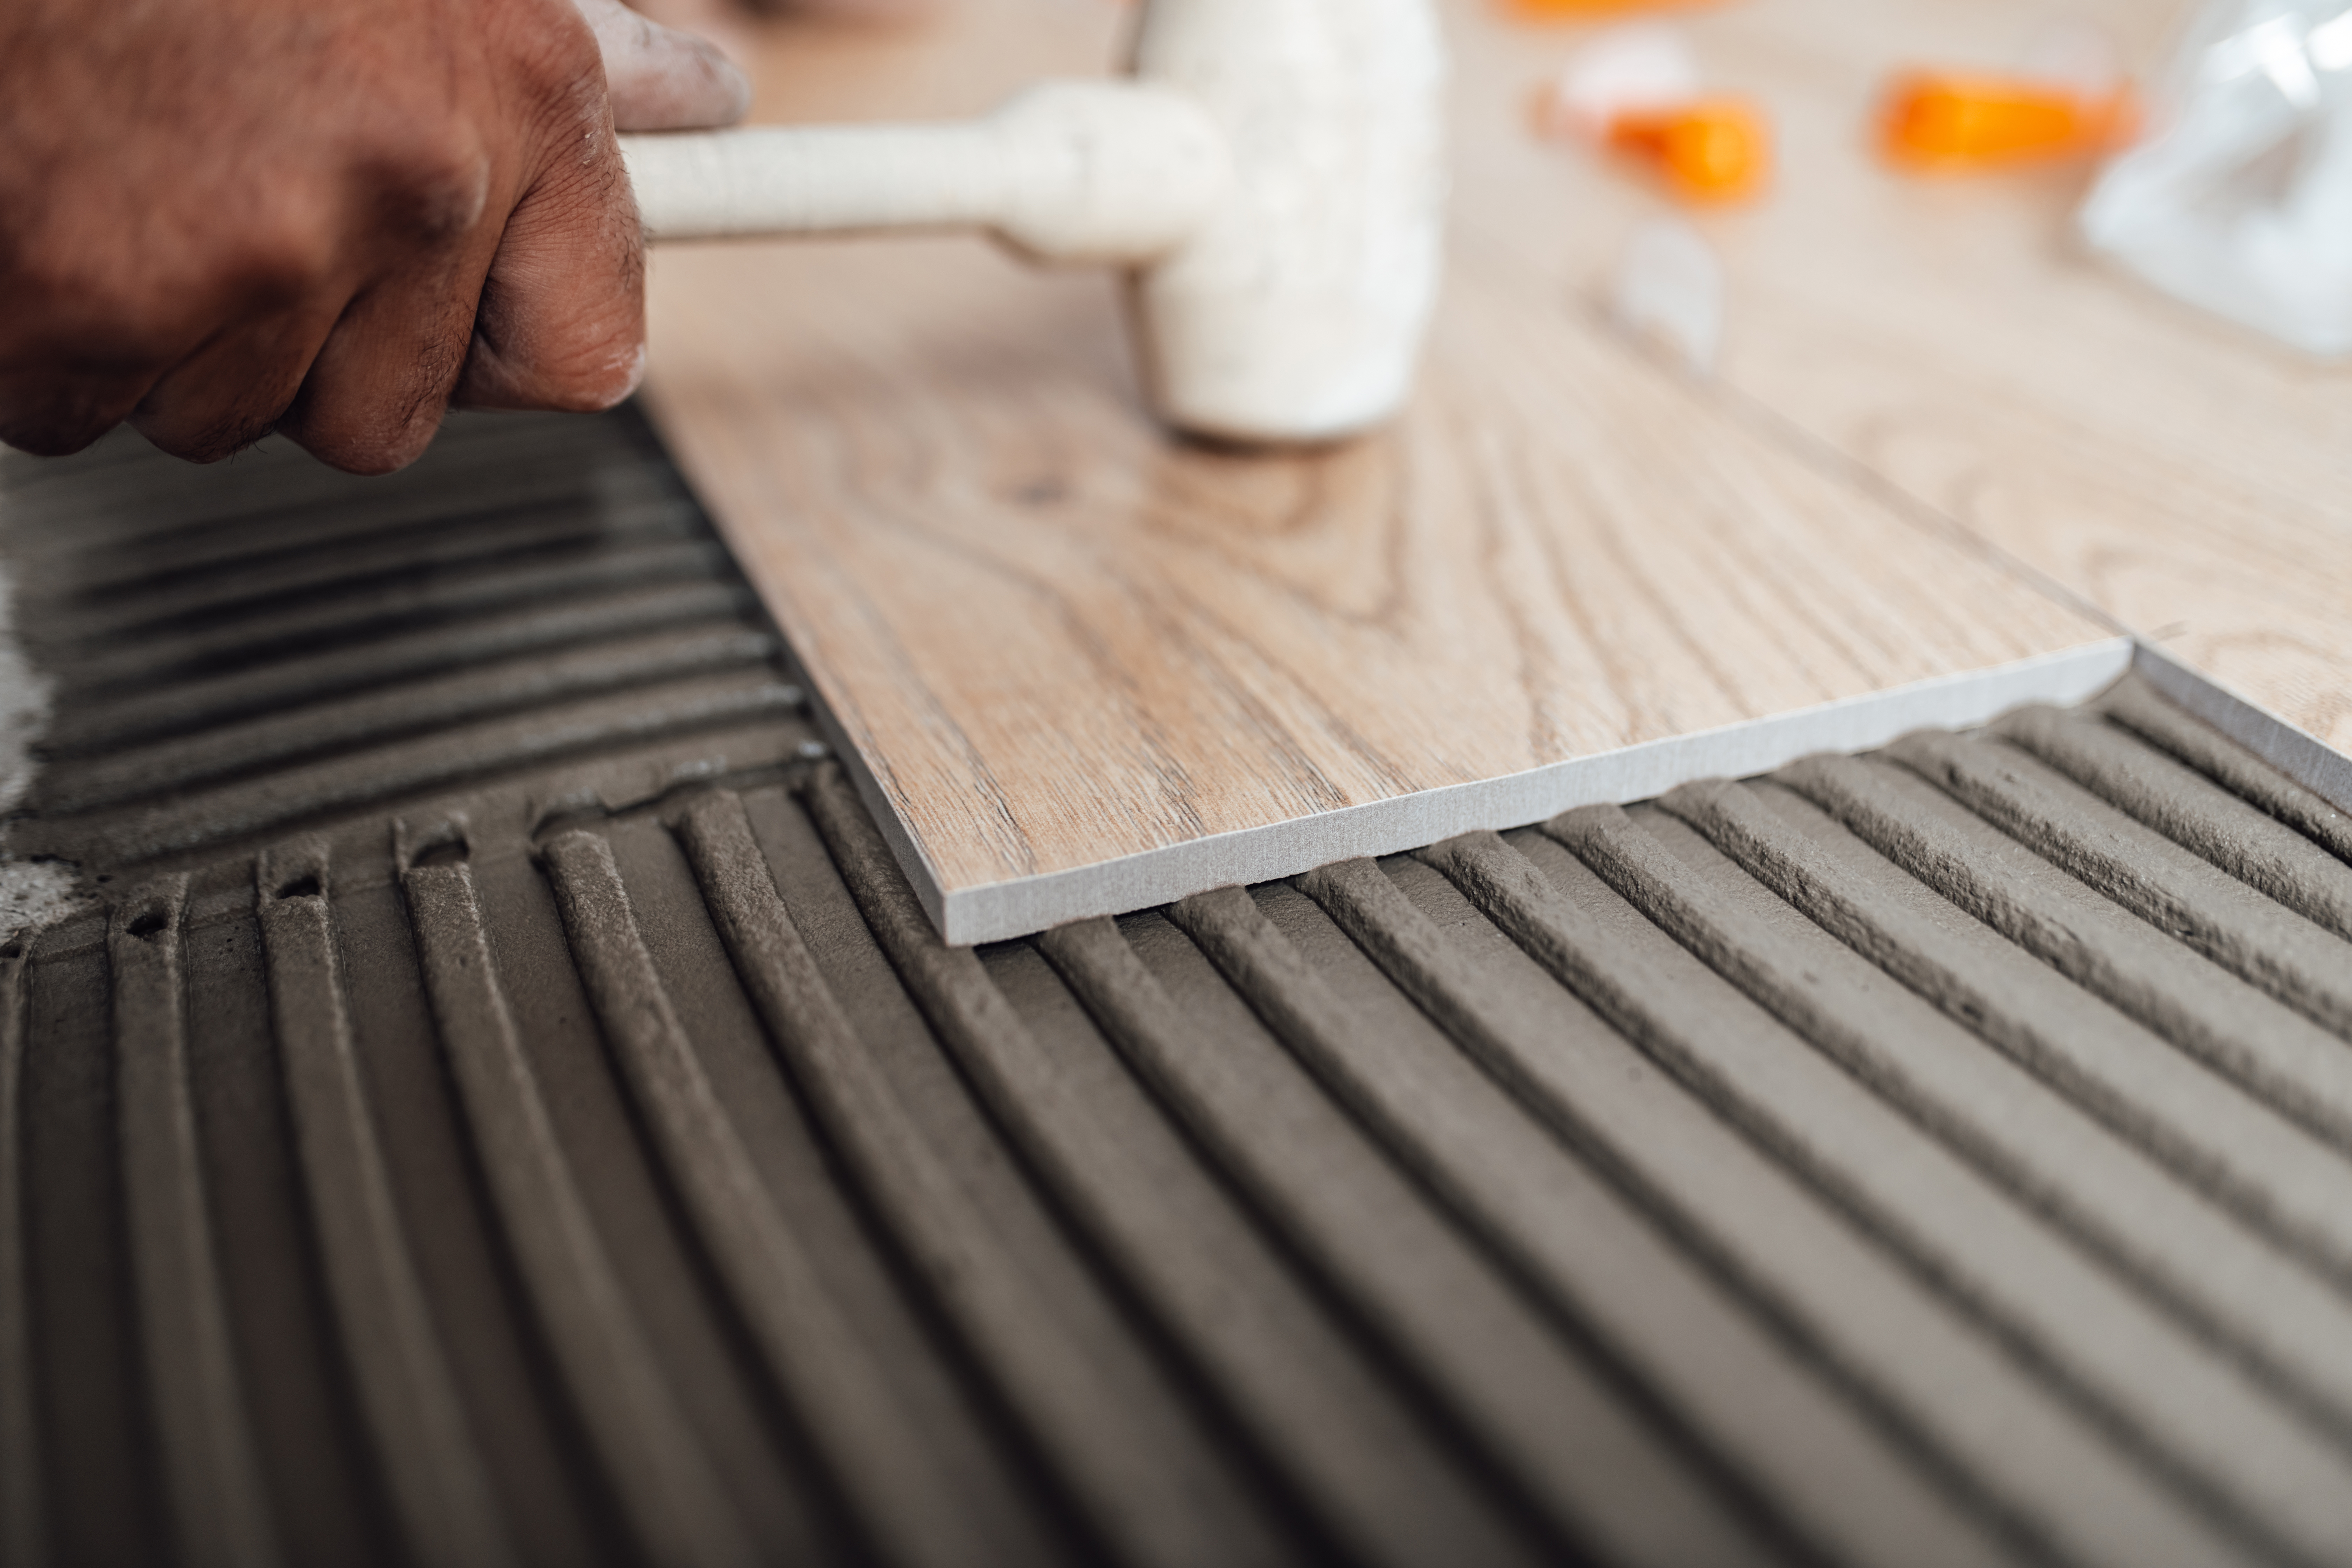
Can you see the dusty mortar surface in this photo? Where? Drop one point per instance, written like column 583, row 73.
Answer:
column 32, row 893
column 505, row 1106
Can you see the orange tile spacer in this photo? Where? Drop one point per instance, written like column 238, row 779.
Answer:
column 1947, row 123
column 1710, row 149
column 1589, row 10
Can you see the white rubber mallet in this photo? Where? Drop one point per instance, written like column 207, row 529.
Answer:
column 1272, row 176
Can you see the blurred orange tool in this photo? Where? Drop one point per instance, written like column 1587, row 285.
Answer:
column 1953, row 122
column 1713, row 150
column 1636, row 91
column 1588, row 10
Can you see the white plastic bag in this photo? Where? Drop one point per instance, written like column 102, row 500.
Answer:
column 2239, row 199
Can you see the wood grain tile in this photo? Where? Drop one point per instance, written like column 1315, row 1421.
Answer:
column 1085, row 670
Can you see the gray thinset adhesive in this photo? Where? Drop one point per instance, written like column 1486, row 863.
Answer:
column 1344, row 1439
column 2042, row 1298
column 24, row 1511
column 1146, row 1480
column 1583, row 1247
column 653, row 1461
column 432, row 1467
column 2165, row 884
column 2269, row 1172
column 32, row 893
column 2109, row 950
column 1564, row 1436
column 2234, row 835
column 2296, row 1328
column 214, row 1480
column 1936, row 1157
column 880, row 1455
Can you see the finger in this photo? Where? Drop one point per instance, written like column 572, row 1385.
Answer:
column 76, row 363
column 561, row 321
column 660, row 78
column 375, row 392
column 198, row 342
column 234, row 390
column 51, row 411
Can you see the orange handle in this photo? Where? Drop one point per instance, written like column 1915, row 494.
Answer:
column 1714, row 149
column 1950, row 122
column 1587, row 10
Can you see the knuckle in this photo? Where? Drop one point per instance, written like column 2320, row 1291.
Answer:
column 277, row 262
column 98, row 310
column 562, row 75
column 439, row 184
column 564, row 63
column 60, row 297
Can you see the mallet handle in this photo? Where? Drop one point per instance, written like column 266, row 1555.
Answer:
column 1116, row 171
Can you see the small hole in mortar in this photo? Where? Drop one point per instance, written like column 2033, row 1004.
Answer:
column 305, row 887
column 449, row 852
column 148, row 923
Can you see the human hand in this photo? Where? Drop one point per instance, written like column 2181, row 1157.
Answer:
column 328, row 217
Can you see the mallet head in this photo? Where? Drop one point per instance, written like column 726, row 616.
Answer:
column 1296, row 314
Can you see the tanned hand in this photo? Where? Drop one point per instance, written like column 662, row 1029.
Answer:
column 327, row 217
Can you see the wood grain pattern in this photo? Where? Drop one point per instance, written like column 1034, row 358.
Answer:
column 1086, row 670
column 1951, row 337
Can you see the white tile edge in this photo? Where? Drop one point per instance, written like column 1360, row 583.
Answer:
column 1002, row 910
column 2295, row 751
column 921, row 874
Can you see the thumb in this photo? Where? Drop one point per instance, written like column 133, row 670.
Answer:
column 660, row 78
